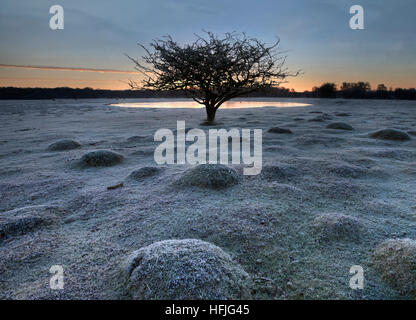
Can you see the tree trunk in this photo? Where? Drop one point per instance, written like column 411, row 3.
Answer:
column 210, row 113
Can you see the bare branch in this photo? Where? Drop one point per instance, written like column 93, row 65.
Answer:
column 212, row 69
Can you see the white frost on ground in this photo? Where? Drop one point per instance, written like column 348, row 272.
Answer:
column 263, row 222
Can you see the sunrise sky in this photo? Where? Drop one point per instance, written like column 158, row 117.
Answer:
column 316, row 34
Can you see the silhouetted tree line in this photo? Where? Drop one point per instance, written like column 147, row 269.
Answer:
column 362, row 90
column 359, row 90
column 85, row 93
column 89, row 93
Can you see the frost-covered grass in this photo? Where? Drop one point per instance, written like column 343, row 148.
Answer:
column 265, row 222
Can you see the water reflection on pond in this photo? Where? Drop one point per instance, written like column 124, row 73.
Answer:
column 234, row 104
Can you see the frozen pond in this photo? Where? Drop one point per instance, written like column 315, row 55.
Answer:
column 233, row 104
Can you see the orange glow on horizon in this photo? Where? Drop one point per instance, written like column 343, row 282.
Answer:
column 112, row 79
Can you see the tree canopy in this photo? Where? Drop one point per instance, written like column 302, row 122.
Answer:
column 212, row 69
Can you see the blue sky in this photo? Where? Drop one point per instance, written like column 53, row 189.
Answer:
column 316, row 34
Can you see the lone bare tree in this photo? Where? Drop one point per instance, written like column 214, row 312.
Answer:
column 211, row 70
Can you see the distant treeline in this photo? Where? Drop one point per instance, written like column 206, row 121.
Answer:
column 362, row 90
column 85, row 93
column 89, row 93
column 358, row 90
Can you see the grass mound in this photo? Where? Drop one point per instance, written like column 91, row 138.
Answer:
column 100, row 158
column 137, row 139
column 317, row 119
column 144, row 172
column 395, row 260
column 184, row 269
column 336, row 226
column 278, row 171
column 279, row 130
column 320, row 118
column 339, row 126
column 22, row 220
column 390, row 134
column 214, row 176
column 63, row 145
